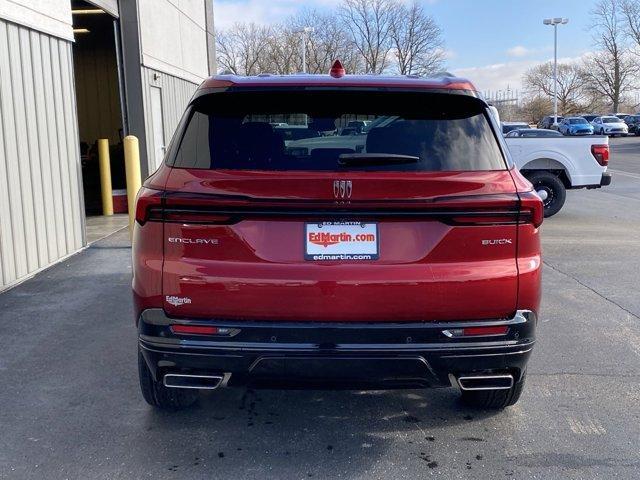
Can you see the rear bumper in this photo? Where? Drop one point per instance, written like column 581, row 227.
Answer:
column 349, row 355
column 605, row 180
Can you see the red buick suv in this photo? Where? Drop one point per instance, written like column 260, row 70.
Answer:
column 279, row 246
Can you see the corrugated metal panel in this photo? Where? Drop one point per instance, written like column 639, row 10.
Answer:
column 47, row 16
column 176, row 94
column 41, row 211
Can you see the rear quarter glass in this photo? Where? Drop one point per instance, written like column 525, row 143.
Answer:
column 338, row 131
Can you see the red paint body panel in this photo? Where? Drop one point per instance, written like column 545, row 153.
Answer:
column 147, row 256
column 427, row 270
column 430, row 268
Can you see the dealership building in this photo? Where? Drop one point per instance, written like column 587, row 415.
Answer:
column 72, row 72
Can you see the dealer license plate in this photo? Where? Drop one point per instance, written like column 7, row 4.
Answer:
column 331, row 241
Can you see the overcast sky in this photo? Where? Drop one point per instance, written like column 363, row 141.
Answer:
column 492, row 42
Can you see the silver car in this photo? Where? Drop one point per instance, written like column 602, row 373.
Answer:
column 610, row 125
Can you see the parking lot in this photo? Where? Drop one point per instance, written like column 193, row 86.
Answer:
column 71, row 406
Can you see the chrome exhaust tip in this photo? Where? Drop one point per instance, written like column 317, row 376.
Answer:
column 199, row 382
column 486, row 382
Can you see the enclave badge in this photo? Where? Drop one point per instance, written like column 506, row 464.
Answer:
column 195, row 241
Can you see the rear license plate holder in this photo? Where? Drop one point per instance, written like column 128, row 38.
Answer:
column 341, row 241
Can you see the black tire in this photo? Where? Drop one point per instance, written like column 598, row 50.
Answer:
column 159, row 396
column 553, row 186
column 493, row 399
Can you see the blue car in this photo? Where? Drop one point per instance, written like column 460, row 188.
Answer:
column 575, row 126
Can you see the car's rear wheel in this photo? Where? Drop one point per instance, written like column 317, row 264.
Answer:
column 494, row 399
column 550, row 189
column 159, row 396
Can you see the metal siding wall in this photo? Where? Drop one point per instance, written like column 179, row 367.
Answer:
column 41, row 211
column 176, row 94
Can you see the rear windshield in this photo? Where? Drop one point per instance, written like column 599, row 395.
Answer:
column 336, row 131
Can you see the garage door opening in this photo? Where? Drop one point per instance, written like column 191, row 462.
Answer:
column 98, row 83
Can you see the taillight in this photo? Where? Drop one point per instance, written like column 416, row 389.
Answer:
column 150, row 207
column 507, row 217
column 601, row 154
column 147, row 202
column 531, row 208
column 185, row 216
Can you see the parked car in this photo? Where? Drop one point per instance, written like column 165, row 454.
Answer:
column 575, row 126
column 619, row 115
column 508, row 126
column 589, row 117
column 633, row 124
column 549, row 123
column 532, row 133
column 610, row 125
column 291, row 133
column 359, row 125
column 264, row 265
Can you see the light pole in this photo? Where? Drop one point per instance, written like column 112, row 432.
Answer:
column 555, row 22
column 303, row 45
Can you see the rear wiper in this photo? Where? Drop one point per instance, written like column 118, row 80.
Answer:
column 364, row 159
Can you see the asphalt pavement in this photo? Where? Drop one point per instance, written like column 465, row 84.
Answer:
column 70, row 405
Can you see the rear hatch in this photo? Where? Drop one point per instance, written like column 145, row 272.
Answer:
column 413, row 218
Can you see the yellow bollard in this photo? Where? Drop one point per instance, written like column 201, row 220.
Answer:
column 105, row 177
column 134, row 181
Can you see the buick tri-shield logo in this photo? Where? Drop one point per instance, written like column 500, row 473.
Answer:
column 342, row 189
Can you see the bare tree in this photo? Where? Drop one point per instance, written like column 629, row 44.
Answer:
column 631, row 18
column 539, row 80
column 417, row 41
column 369, row 37
column 282, row 53
column 226, row 54
column 610, row 71
column 328, row 42
column 241, row 49
column 535, row 108
column 369, row 25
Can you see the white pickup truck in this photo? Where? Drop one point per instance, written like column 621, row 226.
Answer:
column 555, row 164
